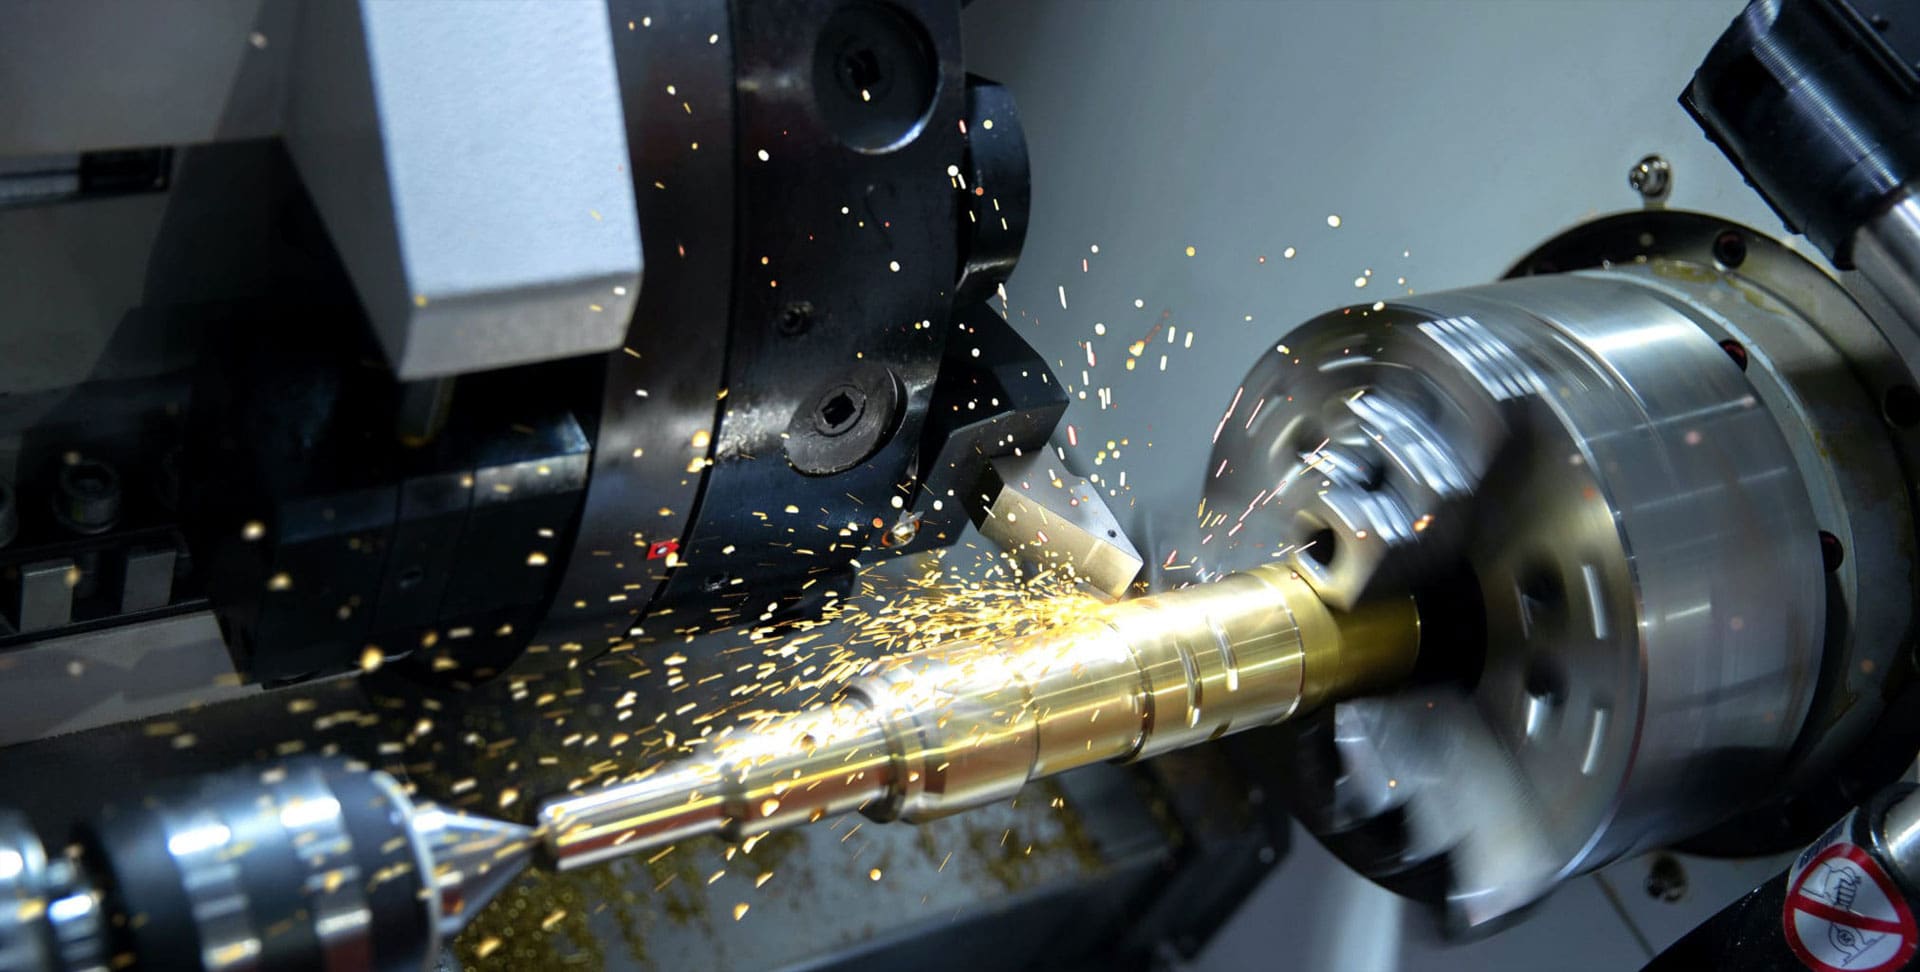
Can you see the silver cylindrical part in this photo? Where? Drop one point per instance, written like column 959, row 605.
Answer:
column 1900, row 830
column 1886, row 251
column 311, row 864
column 792, row 768
column 933, row 732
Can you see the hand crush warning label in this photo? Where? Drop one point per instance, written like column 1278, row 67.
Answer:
column 1842, row 913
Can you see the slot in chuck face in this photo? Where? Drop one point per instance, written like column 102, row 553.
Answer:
column 932, row 732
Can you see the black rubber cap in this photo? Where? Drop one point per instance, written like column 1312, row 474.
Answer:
column 1818, row 107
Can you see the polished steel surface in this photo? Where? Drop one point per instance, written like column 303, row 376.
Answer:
column 208, row 838
column 824, row 761
column 1820, row 357
column 466, row 860
column 1900, row 829
column 206, row 854
column 929, row 733
column 334, row 883
column 1886, row 251
column 471, row 859
column 1640, row 532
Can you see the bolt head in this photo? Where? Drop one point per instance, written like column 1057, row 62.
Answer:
column 1651, row 177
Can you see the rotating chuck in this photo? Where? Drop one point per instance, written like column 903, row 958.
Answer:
column 1652, row 473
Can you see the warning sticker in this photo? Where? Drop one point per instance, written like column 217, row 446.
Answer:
column 1842, row 913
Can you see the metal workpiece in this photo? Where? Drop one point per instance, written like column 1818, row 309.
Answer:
column 794, row 768
column 932, row 732
column 1641, row 488
column 1048, row 517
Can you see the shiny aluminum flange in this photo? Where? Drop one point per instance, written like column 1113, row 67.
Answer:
column 1644, row 547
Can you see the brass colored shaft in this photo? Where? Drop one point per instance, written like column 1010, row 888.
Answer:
column 932, row 732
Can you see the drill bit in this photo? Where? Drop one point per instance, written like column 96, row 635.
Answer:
column 928, row 733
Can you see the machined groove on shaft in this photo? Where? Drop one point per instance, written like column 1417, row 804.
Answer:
column 932, row 732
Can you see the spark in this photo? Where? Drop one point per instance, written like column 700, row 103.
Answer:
column 1237, row 392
